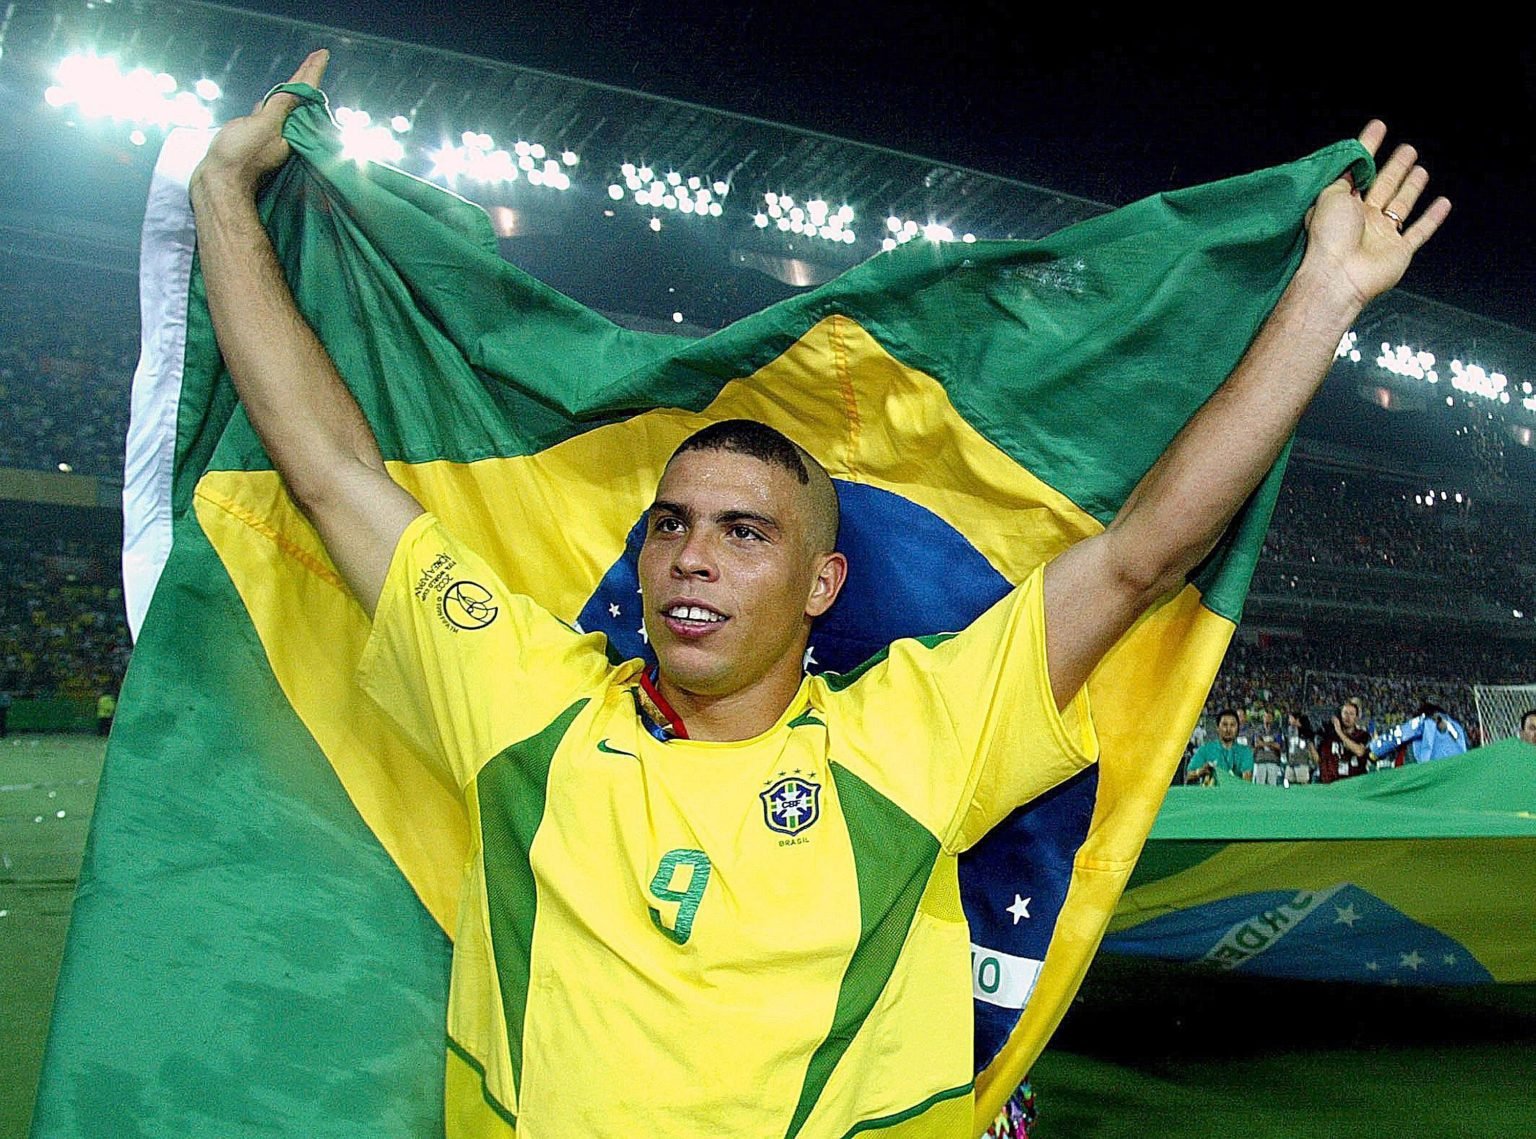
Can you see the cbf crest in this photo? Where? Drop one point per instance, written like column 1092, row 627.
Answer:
column 791, row 804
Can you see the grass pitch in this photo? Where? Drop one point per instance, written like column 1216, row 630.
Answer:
column 47, row 791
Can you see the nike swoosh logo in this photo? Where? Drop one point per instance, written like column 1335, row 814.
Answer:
column 602, row 745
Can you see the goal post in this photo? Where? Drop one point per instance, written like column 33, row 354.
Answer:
column 1499, row 708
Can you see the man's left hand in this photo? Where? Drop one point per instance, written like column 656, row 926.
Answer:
column 1365, row 241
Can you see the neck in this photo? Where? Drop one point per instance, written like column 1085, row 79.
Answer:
column 732, row 716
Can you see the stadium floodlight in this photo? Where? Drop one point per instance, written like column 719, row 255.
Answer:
column 363, row 142
column 400, row 124
column 669, row 190
column 99, row 89
column 1402, row 360
column 677, row 318
column 1474, row 380
column 570, row 158
column 1347, row 348
column 137, row 137
column 656, row 225
column 810, row 217
column 207, row 90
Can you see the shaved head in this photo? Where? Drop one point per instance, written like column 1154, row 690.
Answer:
column 748, row 437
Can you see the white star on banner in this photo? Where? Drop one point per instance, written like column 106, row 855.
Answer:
column 644, row 636
column 1020, row 908
column 1347, row 915
column 1448, row 959
column 1411, row 960
column 1372, row 966
column 810, row 658
column 613, row 609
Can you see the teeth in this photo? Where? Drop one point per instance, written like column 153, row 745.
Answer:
column 693, row 613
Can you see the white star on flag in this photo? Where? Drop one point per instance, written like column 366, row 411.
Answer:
column 810, row 658
column 1347, row 915
column 613, row 609
column 1020, row 908
column 1411, row 960
column 1372, row 966
column 644, row 636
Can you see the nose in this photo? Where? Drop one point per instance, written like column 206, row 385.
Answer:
column 695, row 559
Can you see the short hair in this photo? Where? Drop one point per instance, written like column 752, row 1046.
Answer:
column 1354, row 702
column 1225, row 712
column 1526, row 715
column 749, row 437
column 768, row 445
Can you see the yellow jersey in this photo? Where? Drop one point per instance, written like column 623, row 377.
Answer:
column 698, row 939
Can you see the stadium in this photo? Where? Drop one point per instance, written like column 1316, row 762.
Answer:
column 1395, row 570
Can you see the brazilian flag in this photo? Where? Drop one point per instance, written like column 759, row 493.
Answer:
column 258, row 942
column 1421, row 875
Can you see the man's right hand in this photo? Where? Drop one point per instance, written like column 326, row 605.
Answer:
column 247, row 149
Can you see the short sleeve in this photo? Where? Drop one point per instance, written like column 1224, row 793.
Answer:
column 461, row 663
column 965, row 728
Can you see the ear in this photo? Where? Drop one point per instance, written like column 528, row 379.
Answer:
column 831, row 573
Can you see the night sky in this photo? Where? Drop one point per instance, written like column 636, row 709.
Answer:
column 1099, row 104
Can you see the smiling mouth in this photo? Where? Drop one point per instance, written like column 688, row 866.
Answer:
column 692, row 620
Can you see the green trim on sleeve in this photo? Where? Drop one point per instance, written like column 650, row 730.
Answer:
column 837, row 681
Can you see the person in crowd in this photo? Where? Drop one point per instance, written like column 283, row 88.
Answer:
column 1343, row 750
column 1268, row 754
column 106, row 708
column 1223, row 754
column 1432, row 733
column 1301, row 761
column 1528, row 727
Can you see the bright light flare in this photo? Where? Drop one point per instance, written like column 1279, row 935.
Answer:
column 99, row 89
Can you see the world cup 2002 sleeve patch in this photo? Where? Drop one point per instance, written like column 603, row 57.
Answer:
column 460, row 603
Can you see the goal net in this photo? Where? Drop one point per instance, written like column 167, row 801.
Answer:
column 1499, row 707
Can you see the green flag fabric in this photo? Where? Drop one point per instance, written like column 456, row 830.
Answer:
column 1420, row 875
column 258, row 943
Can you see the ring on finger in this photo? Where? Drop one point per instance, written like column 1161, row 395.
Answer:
column 1394, row 217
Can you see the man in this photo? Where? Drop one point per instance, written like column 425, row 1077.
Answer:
column 1268, row 753
column 1432, row 733
column 1223, row 754
column 1528, row 727
column 1343, row 751
column 799, row 967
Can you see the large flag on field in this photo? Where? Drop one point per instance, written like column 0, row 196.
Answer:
column 258, row 941
column 1421, row 875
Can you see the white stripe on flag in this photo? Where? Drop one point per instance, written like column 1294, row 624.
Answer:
column 1002, row 979
column 165, row 273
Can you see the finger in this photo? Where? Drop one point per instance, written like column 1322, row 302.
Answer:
column 1372, row 134
column 1408, row 194
column 1389, row 179
column 1428, row 222
column 311, row 71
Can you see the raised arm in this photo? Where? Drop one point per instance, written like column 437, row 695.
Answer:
column 304, row 415
column 1356, row 251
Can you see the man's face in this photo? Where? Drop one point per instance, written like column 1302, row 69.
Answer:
column 1528, row 729
column 1348, row 714
column 1226, row 729
column 729, row 578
